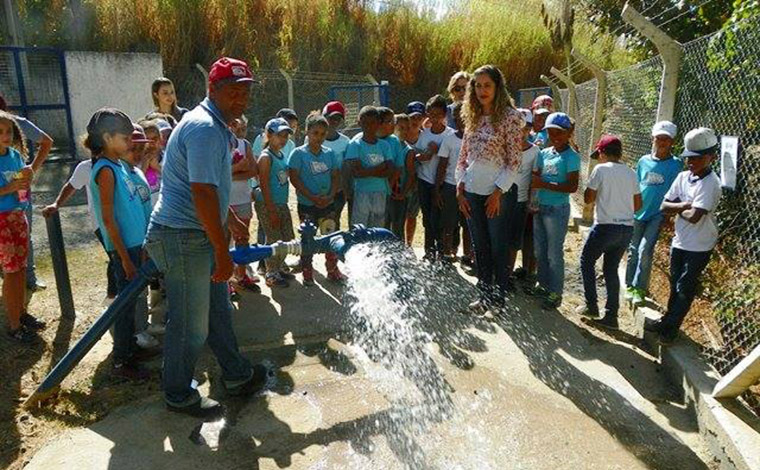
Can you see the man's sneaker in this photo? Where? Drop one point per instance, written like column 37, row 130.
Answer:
column 586, row 311
column 146, row 341
column 129, row 370
column 609, row 322
column 275, row 280
column 308, row 275
column 628, row 294
column 552, row 301
column 638, row 297
column 254, row 385
column 32, row 323
column 37, row 286
column 248, row 283
column 536, row 290
column 23, row 334
column 154, row 329
column 205, row 408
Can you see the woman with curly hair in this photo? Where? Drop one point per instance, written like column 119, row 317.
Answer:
column 486, row 173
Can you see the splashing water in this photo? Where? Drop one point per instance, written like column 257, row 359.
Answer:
column 399, row 307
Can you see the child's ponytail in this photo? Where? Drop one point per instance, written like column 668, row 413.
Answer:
column 18, row 141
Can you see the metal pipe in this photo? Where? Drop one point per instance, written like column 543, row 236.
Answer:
column 60, row 266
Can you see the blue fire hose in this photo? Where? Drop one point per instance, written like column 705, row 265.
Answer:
column 337, row 242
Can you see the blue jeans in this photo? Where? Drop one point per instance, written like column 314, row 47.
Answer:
column 431, row 218
column 489, row 238
column 611, row 241
column 685, row 269
column 124, row 327
column 549, row 231
column 201, row 311
column 641, row 251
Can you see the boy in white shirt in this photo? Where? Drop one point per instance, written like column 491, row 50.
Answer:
column 445, row 189
column 614, row 188
column 692, row 198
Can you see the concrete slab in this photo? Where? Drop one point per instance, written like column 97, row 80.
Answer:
column 529, row 390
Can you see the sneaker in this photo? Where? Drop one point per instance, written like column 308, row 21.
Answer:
column 294, row 268
column 288, row 275
column 552, row 301
column 608, row 322
column 308, row 276
column 638, row 297
column 653, row 326
column 146, row 341
column 205, row 408
column 23, row 334
column 336, row 276
column 520, row 273
column 249, row 284
column 130, row 371
column 155, row 298
column 234, row 295
column 477, row 307
column 32, row 323
column 586, row 311
column 276, row 280
column 536, row 290
column 466, row 261
column 628, row 295
column 37, row 286
column 254, row 385
column 156, row 329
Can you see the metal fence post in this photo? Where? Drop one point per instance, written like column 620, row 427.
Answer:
column 289, row 80
column 372, row 80
column 60, row 266
column 671, row 52
column 555, row 91
column 572, row 104
column 384, row 93
column 203, row 72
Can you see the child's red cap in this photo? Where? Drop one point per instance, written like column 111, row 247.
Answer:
column 607, row 144
column 229, row 69
column 334, row 107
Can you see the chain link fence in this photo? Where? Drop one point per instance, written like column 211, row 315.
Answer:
column 719, row 87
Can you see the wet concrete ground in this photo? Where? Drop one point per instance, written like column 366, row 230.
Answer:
column 531, row 390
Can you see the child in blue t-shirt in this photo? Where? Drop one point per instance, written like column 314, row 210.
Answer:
column 15, row 179
column 315, row 173
column 403, row 181
column 120, row 213
column 271, row 197
column 656, row 173
column 555, row 176
column 371, row 163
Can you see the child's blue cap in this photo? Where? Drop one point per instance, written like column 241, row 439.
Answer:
column 415, row 107
column 278, row 125
column 558, row 121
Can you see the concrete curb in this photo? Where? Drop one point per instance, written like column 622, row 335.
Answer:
column 731, row 432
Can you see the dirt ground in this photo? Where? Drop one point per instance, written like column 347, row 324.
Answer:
column 89, row 394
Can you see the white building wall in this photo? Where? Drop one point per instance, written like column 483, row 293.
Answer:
column 119, row 80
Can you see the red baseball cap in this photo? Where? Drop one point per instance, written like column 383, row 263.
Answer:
column 229, row 69
column 607, row 144
column 138, row 135
column 334, row 107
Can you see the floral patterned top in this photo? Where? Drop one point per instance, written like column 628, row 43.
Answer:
column 490, row 156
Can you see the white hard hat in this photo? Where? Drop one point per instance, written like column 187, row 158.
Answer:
column 699, row 141
column 665, row 128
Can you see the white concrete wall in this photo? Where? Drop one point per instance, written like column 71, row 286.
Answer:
column 119, row 80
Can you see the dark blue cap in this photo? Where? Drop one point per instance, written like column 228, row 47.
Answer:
column 415, row 107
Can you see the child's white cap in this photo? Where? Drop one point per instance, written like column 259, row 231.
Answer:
column 527, row 115
column 699, row 141
column 665, row 128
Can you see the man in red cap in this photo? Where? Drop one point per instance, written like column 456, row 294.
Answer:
column 614, row 187
column 187, row 239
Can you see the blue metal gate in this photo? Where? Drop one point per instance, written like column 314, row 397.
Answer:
column 34, row 84
column 526, row 96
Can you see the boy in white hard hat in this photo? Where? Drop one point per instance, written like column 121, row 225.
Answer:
column 692, row 198
column 656, row 173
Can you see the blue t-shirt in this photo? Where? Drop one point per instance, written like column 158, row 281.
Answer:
column 199, row 151
column 398, row 150
column 10, row 164
column 541, row 136
column 142, row 186
column 127, row 205
column 315, row 171
column 655, row 178
column 370, row 156
column 279, row 183
column 338, row 146
column 554, row 167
